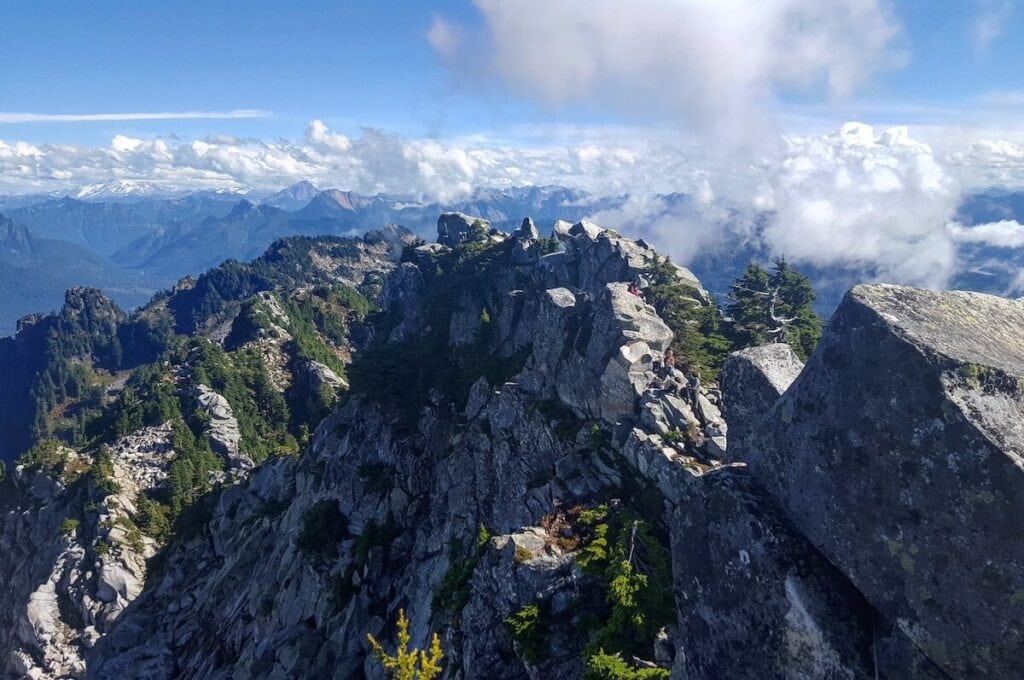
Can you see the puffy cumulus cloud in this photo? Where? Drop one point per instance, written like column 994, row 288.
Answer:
column 317, row 133
column 677, row 59
column 856, row 198
column 372, row 162
column 989, row 162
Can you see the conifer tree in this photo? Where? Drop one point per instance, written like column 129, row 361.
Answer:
column 774, row 307
column 409, row 664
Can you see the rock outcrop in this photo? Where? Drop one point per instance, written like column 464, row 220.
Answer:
column 515, row 453
column 69, row 574
column 225, row 436
column 753, row 379
column 851, row 518
column 899, row 453
column 456, row 228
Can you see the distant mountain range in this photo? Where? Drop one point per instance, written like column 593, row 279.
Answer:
column 132, row 238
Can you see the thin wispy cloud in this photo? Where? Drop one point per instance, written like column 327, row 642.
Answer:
column 27, row 117
column 990, row 23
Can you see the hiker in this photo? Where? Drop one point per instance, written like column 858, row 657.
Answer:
column 693, row 386
column 634, row 290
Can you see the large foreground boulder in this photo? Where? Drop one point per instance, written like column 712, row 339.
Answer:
column 899, row 452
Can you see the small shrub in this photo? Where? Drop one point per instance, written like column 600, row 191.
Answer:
column 133, row 536
column 153, row 518
column 69, row 527
column 454, row 591
column 408, row 664
column 324, row 527
column 483, row 537
column 102, row 474
column 375, row 536
column 526, row 627
column 674, row 437
column 603, row 666
column 523, row 554
column 598, row 438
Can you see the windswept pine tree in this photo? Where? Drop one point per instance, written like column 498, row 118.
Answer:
column 774, row 306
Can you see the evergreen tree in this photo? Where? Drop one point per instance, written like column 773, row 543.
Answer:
column 774, row 307
column 697, row 337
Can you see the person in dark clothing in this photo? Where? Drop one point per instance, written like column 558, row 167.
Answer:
column 693, row 387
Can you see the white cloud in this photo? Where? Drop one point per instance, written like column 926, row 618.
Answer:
column 1002, row 234
column 878, row 200
column 857, row 198
column 318, row 133
column 989, row 23
column 715, row 65
column 22, row 117
column 444, row 37
column 371, row 162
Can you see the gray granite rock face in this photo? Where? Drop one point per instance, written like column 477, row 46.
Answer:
column 225, row 437
column 752, row 381
column 402, row 295
column 455, row 228
column 59, row 592
column 814, row 550
column 899, row 453
column 751, row 587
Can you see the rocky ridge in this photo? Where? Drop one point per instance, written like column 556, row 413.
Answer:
column 511, row 394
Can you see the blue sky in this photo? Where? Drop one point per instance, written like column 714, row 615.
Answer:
column 350, row 64
column 859, row 125
column 369, row 64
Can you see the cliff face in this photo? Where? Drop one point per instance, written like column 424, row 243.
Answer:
column 508, row 468
column 69, row 573
column 898, row 453
column 414, row 489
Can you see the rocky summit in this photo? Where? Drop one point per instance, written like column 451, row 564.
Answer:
column 266, row 464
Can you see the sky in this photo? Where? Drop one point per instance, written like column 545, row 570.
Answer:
column 857, row 124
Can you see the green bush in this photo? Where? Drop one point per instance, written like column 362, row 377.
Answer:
column 697, row 337
column 633, row 569
column 153, row 518
column 527, row 628
column 102, row 474
column 453, row 593
column 374, row 535
column 324, row 527
column 69, row 527
column 603, row 666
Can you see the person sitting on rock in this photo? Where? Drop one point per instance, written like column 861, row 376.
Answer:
column 675, row 381
column 634, row 290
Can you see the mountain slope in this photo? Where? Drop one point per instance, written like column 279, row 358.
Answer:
column 505, row 464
